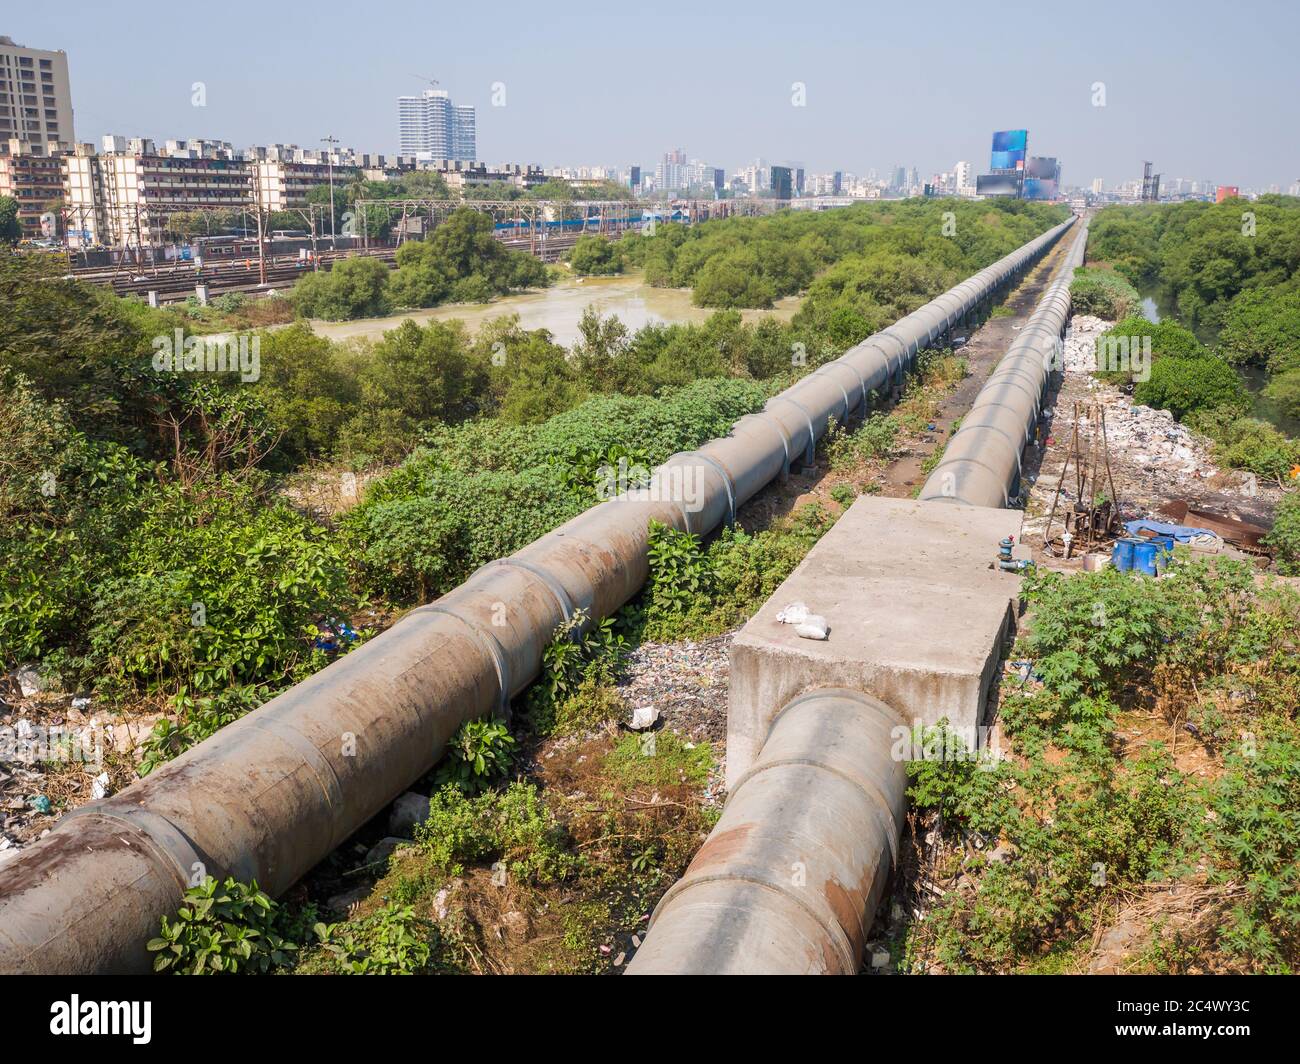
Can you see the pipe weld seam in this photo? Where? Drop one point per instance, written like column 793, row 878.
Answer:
column 320, row 765
column 843, row 390
column 769, row 418
column 811, row 449
column 843, row 363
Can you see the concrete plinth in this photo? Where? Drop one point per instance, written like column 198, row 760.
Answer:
column 917, row 618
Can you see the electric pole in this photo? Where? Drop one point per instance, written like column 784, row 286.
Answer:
column 329, row 158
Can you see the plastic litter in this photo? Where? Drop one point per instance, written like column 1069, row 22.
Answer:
column 813, row 627
column 794, row 613
column 643, row 717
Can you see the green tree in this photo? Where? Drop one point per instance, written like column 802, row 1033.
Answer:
column 354, row 288
column 1185, row 385
column 596, row 256
column 10, row 231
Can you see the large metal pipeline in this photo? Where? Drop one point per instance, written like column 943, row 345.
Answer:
column 981, row 465
column 790, row 877
column 273, row 793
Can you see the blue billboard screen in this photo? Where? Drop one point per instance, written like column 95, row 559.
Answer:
column 1011, row 140
column 1009, row 147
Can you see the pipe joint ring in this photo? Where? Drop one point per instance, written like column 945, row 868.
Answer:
column 164, row 839
column 495, row 650
column 843, row 391
column 726, row 480
column 811, row 450
column 561, row 596
column 770, row 418
column 862, row 381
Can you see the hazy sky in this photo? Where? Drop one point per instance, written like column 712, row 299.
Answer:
column 1208, row 90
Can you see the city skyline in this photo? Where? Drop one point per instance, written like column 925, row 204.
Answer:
column 1100, row 102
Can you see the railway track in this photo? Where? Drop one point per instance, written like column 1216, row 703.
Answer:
column 177, row 282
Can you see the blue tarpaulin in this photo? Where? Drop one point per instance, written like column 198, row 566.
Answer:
column 1180, row 533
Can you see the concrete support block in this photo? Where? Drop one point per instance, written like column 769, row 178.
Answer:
column 917, row 612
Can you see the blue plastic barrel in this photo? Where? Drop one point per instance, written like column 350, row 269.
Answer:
column 1146, row 557
column 1165, row 550
column 1121, row 556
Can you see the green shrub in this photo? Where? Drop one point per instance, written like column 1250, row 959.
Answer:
column 1247, row 443
column 574, row 664
column 212, row 594
column 353, row 288
column 1104, row 294
column 228, row 928
column 480, row 754
column 392, row 941
column 1284, row 389
column 596, row 256
column 695, row 591
column 513, row 826
column 1256, row 837
column 876, row 437
column 1284, row 538
column 1261, row 327
column 1185, row 385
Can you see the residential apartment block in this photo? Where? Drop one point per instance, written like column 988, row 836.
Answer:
column 35, row 97
column 430, row 126
column 35, row 180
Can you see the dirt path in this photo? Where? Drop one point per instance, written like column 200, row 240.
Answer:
column 899, row 477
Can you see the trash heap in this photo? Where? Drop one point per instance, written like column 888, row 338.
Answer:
column 1155, row 459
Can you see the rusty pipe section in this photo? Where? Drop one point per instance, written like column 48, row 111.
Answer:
column 274, row 792
column 789, row 879
column 982, row 463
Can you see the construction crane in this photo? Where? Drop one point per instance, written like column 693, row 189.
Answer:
column 431, row 81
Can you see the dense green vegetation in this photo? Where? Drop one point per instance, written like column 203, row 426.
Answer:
column 1196, row 386
column 1231, row 269
column 461, row 262
column 863, row 266
column 595, row 256
column 1084, row 821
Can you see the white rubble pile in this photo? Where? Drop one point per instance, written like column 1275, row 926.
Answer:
column 1138, row 435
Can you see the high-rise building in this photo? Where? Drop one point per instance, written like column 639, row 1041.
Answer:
column 782, row 182
column 35, row 97
column 1150, row 184
column 671, row 174
column 634, row 179
column 430, row 126
column 964, row 179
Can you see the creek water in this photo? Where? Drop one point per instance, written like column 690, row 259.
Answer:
column 1155, row 308
column 559, row 309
